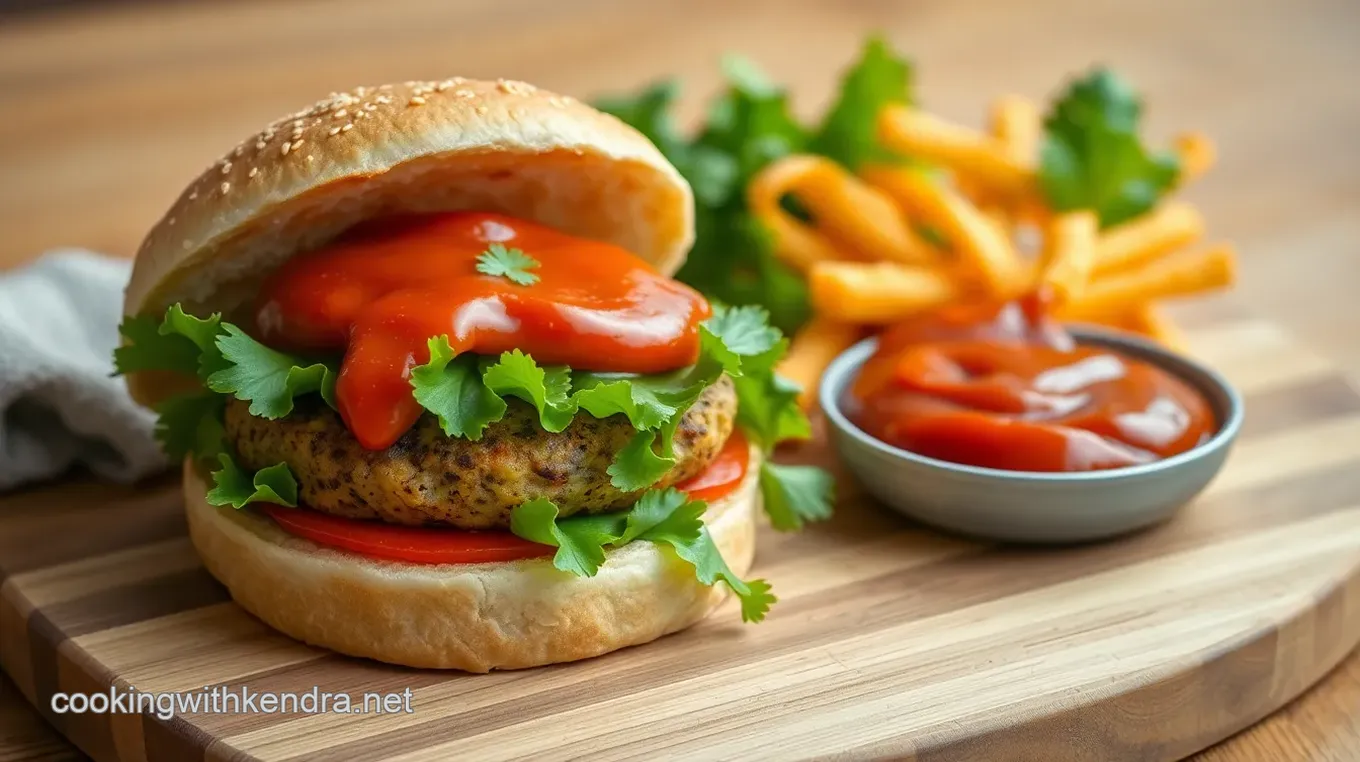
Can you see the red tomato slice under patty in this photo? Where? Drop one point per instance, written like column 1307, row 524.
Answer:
column 421, row 545
column 440, row 545
column 724, row 474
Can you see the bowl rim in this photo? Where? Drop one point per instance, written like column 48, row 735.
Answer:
column 1204, row 379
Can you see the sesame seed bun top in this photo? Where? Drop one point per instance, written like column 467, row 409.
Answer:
column 415, row 147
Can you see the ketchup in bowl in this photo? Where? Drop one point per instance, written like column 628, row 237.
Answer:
column 1005, row 386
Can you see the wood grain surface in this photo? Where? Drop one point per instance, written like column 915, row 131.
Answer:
column 109, row 111
column 889, row 639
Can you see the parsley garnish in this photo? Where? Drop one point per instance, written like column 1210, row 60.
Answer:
column 511, row 264
column 749, row 125
column 1092, row 157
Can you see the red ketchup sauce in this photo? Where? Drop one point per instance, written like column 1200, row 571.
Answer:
column 382, row 290
column 1005, row 386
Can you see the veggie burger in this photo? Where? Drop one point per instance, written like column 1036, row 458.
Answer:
column 438, row 400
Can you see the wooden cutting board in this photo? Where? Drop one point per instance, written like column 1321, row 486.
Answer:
column 889, row 639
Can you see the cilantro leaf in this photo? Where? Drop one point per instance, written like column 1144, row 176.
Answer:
column 639, row 398
column 748, row 126
column 664, row 511
column 670, row 517
column 580, row 540
column 1092, row 158
column 744, row 330
column 453, row 390
column 190, row 423
column 548, row 390
column 795, row 494
column 267, row 378
column 767, row 403
column 848, row 132
column 637, row 465
column 511, row 264
column 179, row 343
column 661, row 516
column 236, row 488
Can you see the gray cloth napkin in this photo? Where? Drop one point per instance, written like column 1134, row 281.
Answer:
column 58, row 405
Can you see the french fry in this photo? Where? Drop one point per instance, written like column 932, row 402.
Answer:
column 1197, row 153
column 1180, row 275
column 813, row 348
column 1141, row 240
column 1017, row 124
column 853, row 220
column 876, row 292
column 1070, row 255
column 1151, row 321
column 797, row 244
column 979, row 158
column 986, row 250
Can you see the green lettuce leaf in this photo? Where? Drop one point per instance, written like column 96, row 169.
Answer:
column 267, row 378
column 453, row 390
column 848, row 132
column 661, row 516
column 1092, row 157
column 238, row 489
column 795, row 494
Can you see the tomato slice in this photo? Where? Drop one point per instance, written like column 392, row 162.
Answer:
column 725, row 474
column 441, row 545
column 422, row 545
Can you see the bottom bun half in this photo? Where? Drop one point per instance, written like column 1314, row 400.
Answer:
column 474, row 617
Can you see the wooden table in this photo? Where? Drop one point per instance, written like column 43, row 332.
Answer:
column 109, row 111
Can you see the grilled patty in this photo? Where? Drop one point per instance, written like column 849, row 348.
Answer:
column 430, row 478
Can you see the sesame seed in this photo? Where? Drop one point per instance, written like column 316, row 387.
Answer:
column 297, row 143
column 335, row 130
column 253, row 171
column 240, row 149
column 226, row 167
column 340, row 114
column 193, row 195
column 481, row 110
column 286, row 147
column 226, row 187
column 416, row 100
column 170, row 222
column 465, row 93
column 309, row 158
column 347, row 127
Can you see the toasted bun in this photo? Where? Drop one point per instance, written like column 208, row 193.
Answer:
column 415, row 147
column 475, row 617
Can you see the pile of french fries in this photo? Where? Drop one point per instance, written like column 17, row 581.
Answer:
column 891, row 242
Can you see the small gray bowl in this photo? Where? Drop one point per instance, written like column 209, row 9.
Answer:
column 1019, row 506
